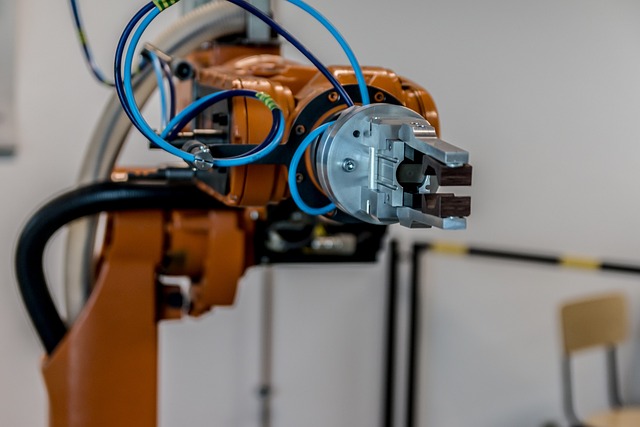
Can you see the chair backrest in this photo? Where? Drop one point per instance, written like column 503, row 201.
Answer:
column 596, row 321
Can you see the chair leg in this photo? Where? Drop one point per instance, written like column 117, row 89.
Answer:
column 567, row 394
column 612, row 375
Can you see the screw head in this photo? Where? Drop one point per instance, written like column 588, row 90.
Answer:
column 300, row 129
column 299, row 178
column 349, row 165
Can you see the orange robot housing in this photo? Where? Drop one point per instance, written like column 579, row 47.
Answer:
column 307, row 100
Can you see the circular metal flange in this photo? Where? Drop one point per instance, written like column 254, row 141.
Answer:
column 346, row 158
column 307, row 120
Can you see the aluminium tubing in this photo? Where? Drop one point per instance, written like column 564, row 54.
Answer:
column 84, row 201
column 209, row 22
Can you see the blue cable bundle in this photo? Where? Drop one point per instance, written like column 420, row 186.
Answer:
column 362, row 84
column 124, row 88
column 270, row 143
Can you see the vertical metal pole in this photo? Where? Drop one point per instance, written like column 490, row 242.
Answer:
column 567, row 393
column 258, row 31
column 612, row 378
column 266, row 345
column 413, row 335
column 390, row 336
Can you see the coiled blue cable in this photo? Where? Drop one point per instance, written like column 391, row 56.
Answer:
column 362, row 84
column 200, row 105
column 270, row 143
column 129, row 99
column 258, row 152
column 291, row 39
column 125, row 92
column 117, row 64
column 293, row 167
column 194, row 110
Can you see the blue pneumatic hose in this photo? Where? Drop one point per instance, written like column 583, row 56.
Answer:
column 293, row 167
column 362, row 84
column 291, row 39
column 144, row 127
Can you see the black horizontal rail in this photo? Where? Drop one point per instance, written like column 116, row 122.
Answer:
column 576, row 262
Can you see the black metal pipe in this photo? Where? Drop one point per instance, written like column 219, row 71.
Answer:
column 615, row 401
column 266, row 347
column 84, row 201
column 390, row 337
column 413, row 336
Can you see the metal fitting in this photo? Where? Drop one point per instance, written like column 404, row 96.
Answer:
column 203, row 159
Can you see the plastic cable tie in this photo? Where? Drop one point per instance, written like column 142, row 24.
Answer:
column 164, row 4
column 268, row 101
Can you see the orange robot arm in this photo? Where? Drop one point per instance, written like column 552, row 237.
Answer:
column 379, row 164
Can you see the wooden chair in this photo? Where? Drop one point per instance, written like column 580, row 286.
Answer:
column 596, row 322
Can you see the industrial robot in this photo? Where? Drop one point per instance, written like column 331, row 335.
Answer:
column 280, row 162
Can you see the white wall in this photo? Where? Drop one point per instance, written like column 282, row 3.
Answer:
column 543, row 94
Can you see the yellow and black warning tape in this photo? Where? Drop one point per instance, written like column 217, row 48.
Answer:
column 576, row 262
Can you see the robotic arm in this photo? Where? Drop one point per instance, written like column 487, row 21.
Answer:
column 283, row 163
column 380, row 163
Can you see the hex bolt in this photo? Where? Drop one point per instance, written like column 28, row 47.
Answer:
column 349, row 165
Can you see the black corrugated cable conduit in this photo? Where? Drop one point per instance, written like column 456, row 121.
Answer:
column 87, row 200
